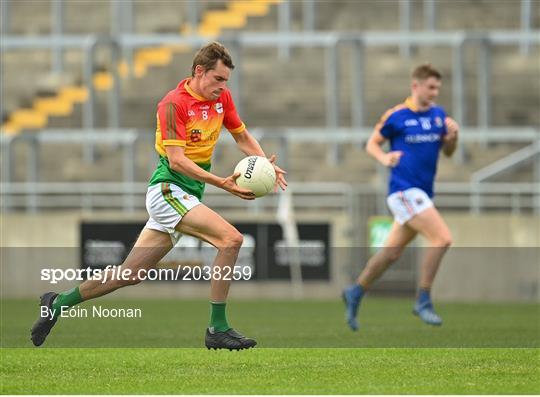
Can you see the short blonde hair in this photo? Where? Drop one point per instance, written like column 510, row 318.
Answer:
column 425, row 71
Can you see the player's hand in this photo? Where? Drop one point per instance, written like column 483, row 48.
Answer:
column 452, row 129
column 391, row 159
column 229, row 184
column 280, row 174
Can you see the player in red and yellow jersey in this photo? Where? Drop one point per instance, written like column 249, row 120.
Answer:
column 189, row 120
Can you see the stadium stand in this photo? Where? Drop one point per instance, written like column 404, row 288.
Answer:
column 278, row 95
column 274, row 93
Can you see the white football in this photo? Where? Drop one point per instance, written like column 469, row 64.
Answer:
column 256, row 174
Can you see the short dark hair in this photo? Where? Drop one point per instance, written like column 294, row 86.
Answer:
column 208, row 56
column 425, row 71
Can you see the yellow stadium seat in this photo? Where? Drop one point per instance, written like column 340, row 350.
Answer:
column 9, row 128
column 103, row 81
column 28, row 118
column 234, row 17
column 154, row 56
column 74, row 94
column 252, row 8
column 209, row 31
column 225, row 19
column 55, row 106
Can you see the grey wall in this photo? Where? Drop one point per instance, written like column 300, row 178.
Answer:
column 494, row 258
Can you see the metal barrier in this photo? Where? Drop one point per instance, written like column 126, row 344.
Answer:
column 86, row 138
column 312, row 196
column 129, row 138
column 508, row 163
column 353, row 201
column 122, row 16
column 33, row 195
column 330, row 41
column 88, row 44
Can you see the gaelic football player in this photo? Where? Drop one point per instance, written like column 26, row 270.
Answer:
column 189, row 120
column 417, row 130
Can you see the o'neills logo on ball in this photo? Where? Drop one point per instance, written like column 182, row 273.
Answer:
column 251, row 166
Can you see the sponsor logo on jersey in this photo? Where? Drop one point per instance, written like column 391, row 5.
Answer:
column 422, row 138
column 190, row 113
column 426, row 123
column 219, row 107
column 196, row 135
column 411, row 123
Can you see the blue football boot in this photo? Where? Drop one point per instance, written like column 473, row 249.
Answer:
column 427, row 314
column 351, row 298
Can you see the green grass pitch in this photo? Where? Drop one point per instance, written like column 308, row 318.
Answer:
column 304, row 348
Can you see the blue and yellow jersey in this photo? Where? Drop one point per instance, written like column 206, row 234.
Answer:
column 188, row 120
column 419, row 136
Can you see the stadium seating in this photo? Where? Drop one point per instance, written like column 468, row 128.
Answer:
column 274, row 93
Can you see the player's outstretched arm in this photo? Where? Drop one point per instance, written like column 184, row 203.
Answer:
column 248, row 144
column 251, row 147
column 183, row 165
column 451, row 137
column 374, row 149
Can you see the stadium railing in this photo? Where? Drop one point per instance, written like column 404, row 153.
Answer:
column 331, row 41
column 356, row 202
column 128, row 195
column 406, row 11
column 123, row 14
column 89, row 44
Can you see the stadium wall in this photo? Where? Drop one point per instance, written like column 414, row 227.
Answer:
column 494, row 258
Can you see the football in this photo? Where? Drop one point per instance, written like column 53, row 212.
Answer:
column 256, row 174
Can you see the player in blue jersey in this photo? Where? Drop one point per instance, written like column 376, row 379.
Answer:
column 417, row 131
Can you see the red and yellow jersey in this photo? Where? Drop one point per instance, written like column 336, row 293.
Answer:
column 189, row 120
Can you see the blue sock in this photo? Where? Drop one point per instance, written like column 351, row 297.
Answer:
column 357, row 291
column 424, row 298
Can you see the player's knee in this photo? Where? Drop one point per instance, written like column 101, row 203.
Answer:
column 444, row 241
column 447, row 242
column 233, row 239
column 236, row 239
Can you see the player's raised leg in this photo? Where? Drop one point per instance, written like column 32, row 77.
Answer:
column 397, row 240
column 205, row 224
column 431, row 225
column 149, row 248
